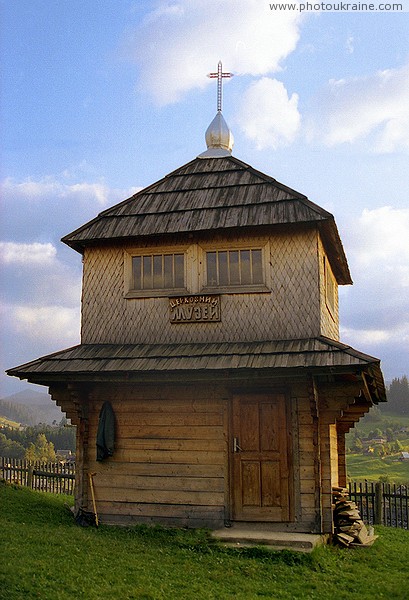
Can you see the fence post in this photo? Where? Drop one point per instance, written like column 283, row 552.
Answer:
column 30, row 476
column 378, row 516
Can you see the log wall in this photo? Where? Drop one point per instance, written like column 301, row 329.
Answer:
column 172, row 456
column 170, row 461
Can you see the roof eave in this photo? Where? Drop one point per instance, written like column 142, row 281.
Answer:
column 361, row 373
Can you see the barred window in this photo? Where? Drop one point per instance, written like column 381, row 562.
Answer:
column 158, row 272
column 230, row 268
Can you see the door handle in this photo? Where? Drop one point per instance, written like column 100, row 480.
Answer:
column 236, row 447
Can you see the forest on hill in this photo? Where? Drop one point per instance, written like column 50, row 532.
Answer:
column 30, row 407
column 384, row 431
column 398, row 397
column 39, row 442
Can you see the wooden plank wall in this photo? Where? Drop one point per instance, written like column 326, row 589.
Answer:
column 170, row 461
column 316, row 460
column 334, row 398
column 333, row 438
column 306, row 463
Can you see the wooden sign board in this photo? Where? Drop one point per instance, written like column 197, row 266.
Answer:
column 194, row 309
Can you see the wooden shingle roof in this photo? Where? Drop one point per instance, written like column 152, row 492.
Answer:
column 211, row 194
column 130, row 361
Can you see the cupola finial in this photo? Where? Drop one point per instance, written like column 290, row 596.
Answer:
column 219, row 76
column 219, row 138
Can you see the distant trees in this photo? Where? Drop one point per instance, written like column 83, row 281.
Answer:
column 10, row 448
column 398, row 396
column 382, row 441
column 42, row 450
column 15, row 443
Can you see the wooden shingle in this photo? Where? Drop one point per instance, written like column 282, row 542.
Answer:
column 211, row 195
column 315, row 354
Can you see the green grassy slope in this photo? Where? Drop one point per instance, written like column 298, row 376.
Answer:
column 44, row 555
column 371, row 468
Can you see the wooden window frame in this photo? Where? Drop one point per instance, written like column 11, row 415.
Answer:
column 131, row 292
column 245, row 288
column 330, row 289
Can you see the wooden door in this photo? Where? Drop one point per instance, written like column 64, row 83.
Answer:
column 260, row 458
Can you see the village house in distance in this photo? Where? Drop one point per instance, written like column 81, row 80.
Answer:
column 210, row 333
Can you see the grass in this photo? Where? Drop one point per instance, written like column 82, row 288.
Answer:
column 380, row 419
column 370, row 467
column 362, row 466
column 45, row 555
column 4, row 422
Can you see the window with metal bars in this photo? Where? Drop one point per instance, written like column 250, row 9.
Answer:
column 231, row 268
column 158, row 272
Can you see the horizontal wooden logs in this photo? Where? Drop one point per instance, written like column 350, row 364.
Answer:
column 168, row 456
column 135, row 405
column 189, row 497
column 112, row 468
column 307, row 486
column 169, row 432
column 152, row 482
column 169, row 419
column 170, row 515
column 308, row 502
column 170, row 445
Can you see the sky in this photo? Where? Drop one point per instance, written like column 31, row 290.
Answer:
column 101, row 98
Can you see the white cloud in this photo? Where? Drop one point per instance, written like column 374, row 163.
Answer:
column 267, row 115
column 46, row 324
column 380, row 239
column 375, row 310
column 52, row 187
column 372, row 108
column 181, row 41
column 349, row 44
column 27, row 254
column 45, row 209
column 41, row 278
column 375, row 337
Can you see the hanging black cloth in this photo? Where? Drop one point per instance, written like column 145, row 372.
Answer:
column 106, row 432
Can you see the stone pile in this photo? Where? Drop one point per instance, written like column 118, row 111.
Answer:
column 350, row 530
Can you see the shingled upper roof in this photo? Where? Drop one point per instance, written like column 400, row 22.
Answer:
column 211, row 194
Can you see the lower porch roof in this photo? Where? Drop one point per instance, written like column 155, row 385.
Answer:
column 99, row 362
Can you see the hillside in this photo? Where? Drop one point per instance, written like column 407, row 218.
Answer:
column 374, row 447
column 30, row 407
column 45, row 555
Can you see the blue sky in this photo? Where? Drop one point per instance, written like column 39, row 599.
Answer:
column 102, row 98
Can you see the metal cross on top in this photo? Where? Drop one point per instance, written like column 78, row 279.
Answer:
column 219, row 76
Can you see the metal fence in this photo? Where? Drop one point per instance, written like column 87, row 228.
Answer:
column 381, row 503
column 57, row 478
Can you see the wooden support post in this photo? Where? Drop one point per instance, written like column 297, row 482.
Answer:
column 342, row 471
column 30, row 473
column 378, row 504
column 313, row 394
